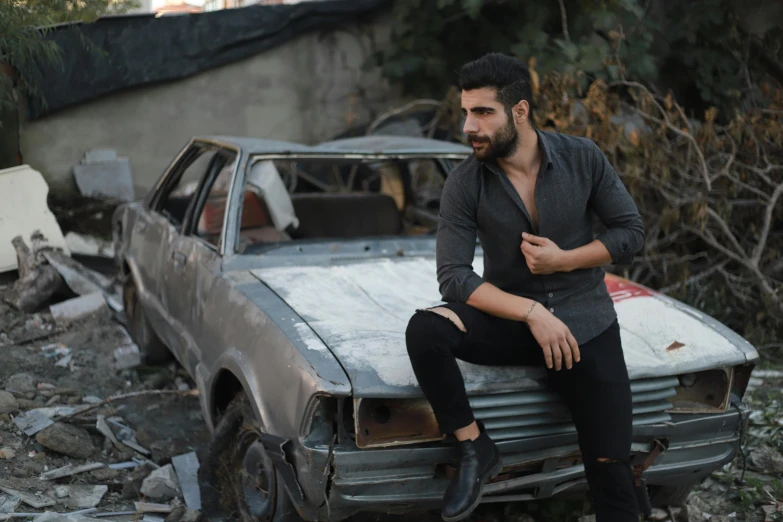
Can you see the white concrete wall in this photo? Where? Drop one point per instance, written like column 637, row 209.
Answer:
column 306, row 90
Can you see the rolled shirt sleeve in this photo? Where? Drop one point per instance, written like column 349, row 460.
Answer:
column 456, row 243
column 611, row 202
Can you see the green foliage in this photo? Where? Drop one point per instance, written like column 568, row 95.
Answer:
column 23, row 44
column 703, row 49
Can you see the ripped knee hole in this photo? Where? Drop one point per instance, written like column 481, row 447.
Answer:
column 451, row 315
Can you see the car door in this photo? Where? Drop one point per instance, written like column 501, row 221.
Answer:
column 175, row 195
column 192, row 258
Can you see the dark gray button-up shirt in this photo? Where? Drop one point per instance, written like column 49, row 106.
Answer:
column 574, row 183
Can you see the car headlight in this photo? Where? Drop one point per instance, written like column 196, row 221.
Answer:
column 707, row 391
column 391, row 422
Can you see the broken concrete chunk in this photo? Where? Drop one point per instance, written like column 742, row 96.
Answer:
column 32, row 422
column 105, row 430
column 127, row 356
column 24, row 188
column 9, row 503
column 67, row 439
column 89, row 245
column 161, row 484
column 78, row 308
column 149, row 507
column 8, row 403
column 80, row 497
column 61, row 491
column 36, row 501
column 186, row 467
column 111, row 179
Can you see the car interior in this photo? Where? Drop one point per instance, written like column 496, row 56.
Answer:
column 309, row 199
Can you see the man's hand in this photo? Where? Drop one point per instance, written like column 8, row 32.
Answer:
column 556, row 341
column 542, row 255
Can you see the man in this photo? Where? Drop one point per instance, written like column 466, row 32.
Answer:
column 530, row 197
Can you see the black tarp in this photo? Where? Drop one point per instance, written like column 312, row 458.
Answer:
column 129, row 51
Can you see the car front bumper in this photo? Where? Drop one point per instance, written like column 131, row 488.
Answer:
column 413, row 478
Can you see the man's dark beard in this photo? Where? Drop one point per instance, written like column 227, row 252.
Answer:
column 501, row 145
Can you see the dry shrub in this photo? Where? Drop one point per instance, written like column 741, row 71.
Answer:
column 710, row 194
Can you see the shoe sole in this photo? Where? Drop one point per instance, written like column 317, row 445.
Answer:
column 494, row 472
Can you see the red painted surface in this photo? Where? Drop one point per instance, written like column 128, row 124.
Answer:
column 621, row 289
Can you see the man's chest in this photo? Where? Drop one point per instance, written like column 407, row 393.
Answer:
column 550, row 206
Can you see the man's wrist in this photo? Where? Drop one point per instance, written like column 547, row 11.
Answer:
column 567, row 261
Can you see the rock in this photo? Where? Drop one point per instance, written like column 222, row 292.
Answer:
column 176, row 514
column 27, row 404
column 67, row 439
column 132, row 487
column 105, row 474
column 767, row 459
column 8, row 402
column 7, row 453
column 21, row 383
column 191, row 515
column 81, row 497
column 161, row 484
column 61, row 491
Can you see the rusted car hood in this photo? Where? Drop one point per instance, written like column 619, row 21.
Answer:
column 360, row 311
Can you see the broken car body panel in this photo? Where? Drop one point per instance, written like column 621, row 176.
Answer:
column 313, row 328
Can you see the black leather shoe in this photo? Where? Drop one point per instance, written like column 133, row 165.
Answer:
column 479, row 461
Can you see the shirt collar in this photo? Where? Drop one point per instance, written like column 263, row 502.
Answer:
column 543, row 145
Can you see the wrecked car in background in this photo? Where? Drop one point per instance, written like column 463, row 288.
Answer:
column 282, row 277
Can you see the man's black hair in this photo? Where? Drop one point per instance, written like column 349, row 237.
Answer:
column 505, row 73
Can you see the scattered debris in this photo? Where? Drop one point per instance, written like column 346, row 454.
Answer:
column 69, row 470
column 89, row 245
column 85, row 496
column 38, row 281
column 36, row 501
column 77, row 308
column 132, row 487
column 32, row 422
column 104, row 474
column 132, row 444
column 124, row 465
column 24, row 188
column 191, row 515
column 104, row 175
column 764, row 458
column 76, row 516
column 9, row 503
column 148, row 507
column 105, row 430
column 123, row 396
column 186, row 467
column 81, row 279
column 66, row 439
column 161, row 484
column 8, row 402
column 61, row 491
column 21, row 383
column 127, row 356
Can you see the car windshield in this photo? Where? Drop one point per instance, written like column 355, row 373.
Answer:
column 340, row 198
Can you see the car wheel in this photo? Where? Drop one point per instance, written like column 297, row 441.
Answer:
column 665, row 496
column 152, row 349
column 238, row 479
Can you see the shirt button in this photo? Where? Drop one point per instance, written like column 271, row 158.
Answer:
column 552, row 310
column 551, row 295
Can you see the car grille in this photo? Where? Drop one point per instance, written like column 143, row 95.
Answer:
column 535, row 413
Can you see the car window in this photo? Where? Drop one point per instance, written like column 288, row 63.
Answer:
column 209, row 220
column 174, row 204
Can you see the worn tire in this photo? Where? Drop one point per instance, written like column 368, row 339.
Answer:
column 665, row 496
column 152, row 349
column 228, row 490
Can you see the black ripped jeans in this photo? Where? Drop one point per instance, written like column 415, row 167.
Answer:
column 596, row 390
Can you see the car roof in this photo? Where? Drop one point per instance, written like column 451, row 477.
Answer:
column 361, row 145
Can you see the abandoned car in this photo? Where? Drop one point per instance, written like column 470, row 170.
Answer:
column 282, row 277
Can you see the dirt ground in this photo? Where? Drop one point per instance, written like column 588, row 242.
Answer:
column 171, row 424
